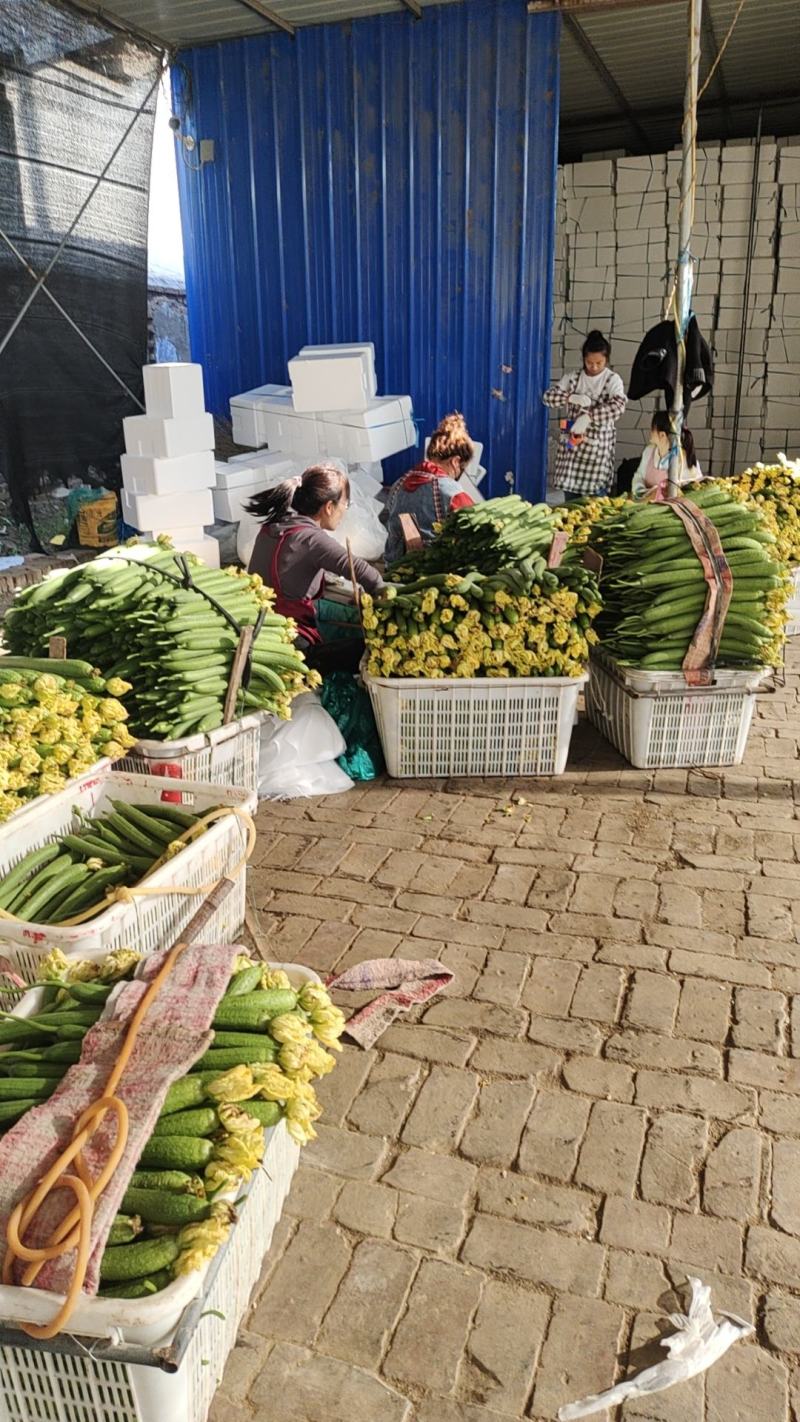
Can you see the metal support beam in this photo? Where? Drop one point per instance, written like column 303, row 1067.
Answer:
column 606, row 77
column 116, row 22
column 710, row 40
column 267, row 13
column 414, row 7
column 685, row 274
column 586, row 7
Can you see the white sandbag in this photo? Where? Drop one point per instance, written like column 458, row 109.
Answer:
column 298, row 757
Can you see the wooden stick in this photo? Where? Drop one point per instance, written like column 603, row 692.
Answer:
column 356, row 588
column 58, row 648
column 237, row 670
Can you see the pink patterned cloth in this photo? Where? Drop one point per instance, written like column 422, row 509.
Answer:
column 173, row 1035
column 409, row 982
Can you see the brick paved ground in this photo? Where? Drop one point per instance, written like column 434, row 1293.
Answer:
column 506, row 1198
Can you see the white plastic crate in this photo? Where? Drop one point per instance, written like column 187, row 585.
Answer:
column 227, row 756
column 150, row 921
column 793, row 606
column 475, row 726
column 669, row 724
column 44, row 1385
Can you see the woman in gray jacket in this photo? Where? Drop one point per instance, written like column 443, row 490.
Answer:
column 294, row 551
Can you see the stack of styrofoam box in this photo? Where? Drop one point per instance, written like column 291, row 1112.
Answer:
column 616, row 277
column 168, row 467
column 331, row 410
column 244, row 476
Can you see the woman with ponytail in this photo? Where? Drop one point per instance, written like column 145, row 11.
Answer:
column 294, row 551
column 430, row 491
column 651, row 480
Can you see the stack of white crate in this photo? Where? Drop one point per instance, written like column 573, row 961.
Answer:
column 168, row 468
column 615, row 251
column 331, row 410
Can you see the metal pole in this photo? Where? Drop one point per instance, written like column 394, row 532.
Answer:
column 685, row 279
column 748, row 272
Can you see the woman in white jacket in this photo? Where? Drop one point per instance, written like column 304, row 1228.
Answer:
column 594, row 400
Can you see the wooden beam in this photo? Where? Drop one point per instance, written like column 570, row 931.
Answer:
column 267, row 13
column 586, row 7
column 414, row 7
column 589, row 52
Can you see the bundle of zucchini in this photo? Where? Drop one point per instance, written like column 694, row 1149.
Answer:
column 498, row 533
column 654, row 590
column 268, row 1046
column 170, row 626
column 76, row 873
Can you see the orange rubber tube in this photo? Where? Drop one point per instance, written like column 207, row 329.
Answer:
column 76, row 1228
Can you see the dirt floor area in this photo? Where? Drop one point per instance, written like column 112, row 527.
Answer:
column 506, row 1198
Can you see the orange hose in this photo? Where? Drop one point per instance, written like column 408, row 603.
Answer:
column 76, row 1228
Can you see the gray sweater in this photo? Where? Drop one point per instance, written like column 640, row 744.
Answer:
column 305, row 557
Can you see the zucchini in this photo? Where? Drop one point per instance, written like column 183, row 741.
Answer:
column 202, row 1121
column 182, row 1095
column 165, row 1207
column 227, row 1057
column 267, row 1113
column 254, row 1009
column 134, row 1261
column 124, row 1229
column 175, row 1180
column 138, row 1288
column 245, row 981
column 176, row 1153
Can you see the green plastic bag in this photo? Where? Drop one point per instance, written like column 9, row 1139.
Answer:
column 345, row 699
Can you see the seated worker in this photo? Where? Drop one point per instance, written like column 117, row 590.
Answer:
column 652, row 477
column 294, row 551
column 430, row 491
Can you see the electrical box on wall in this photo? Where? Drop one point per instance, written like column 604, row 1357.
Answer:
column 206, row 150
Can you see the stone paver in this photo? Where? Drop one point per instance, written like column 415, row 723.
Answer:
column 508, row 1191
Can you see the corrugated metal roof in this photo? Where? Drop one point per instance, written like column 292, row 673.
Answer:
column 643, row 51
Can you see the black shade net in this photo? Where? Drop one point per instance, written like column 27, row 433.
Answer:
column 70, row 91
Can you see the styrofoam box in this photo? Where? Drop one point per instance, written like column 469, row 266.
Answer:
column 174, row 390
column 183, row 474
column 337, row 381
column 246, row 426
column 246, row 472
column 229, row 504
column 167, row 511
column 167, row 439
column 357, row 446
column 365, row 349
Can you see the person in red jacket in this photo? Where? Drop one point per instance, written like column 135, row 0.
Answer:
column 430, row 491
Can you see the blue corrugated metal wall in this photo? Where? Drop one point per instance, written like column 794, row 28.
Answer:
column 383, row 180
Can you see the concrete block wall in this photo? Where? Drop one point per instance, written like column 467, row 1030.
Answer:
column 616, row 244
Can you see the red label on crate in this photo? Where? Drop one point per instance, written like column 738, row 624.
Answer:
column 171, row 769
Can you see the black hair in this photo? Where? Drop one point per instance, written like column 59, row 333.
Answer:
column 596, row 344
column 321, row 484
column 662, row 423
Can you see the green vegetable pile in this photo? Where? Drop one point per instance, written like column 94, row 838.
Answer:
column 498, row 533
column 169, row 626
column 269, row 1045
column 654, row 591
column 480, row 600
column 76, row 874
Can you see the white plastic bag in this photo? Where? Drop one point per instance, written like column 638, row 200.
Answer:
column 298, row 757
column 362, row 526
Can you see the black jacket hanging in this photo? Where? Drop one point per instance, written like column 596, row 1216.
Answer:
column 655, row 366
